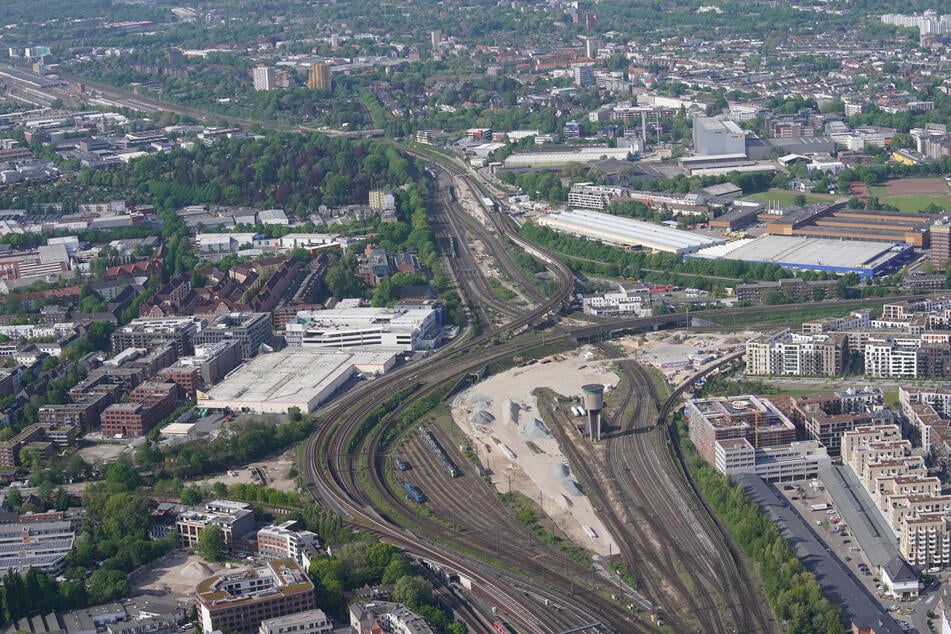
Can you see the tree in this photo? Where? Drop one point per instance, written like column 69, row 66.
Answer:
column 191, row 496
column 211, row 543
column 107, row 584
column 413, row 592
column 14, row 498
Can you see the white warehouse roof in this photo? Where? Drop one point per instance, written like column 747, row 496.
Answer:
column 626, row 231
column 274, row 382
column 582, row 155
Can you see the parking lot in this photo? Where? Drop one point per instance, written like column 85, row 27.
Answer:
column 813, row 502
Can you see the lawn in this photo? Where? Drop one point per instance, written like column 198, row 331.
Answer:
column 787, row 198
column 911, row 203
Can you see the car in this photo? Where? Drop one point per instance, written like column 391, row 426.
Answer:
column 848, row 558
column 846, row 541
column 894, row 607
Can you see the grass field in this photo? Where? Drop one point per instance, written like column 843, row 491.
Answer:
column 787, row 198
column 910, row 203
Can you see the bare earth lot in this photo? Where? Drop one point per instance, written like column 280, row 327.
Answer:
column 174, row 576
column 903, row 186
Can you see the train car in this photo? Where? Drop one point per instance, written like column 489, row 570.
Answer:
column 440, row 453
column 402, row 465
column 414, row 493
column 502, row 627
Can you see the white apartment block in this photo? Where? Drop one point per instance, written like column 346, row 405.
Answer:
column 910, row 501
column 635, row 301
column 892, row 357
column 590, row 196
column 793, row 354
column 282, row 542
column 308, row 622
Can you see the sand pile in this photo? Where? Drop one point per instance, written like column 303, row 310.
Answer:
column 536, row 430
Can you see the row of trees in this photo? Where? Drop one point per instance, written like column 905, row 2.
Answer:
column 242, row 443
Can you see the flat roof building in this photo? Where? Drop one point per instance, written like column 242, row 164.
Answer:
column 251, row 329
column 362, row 327
column 626, row 231
column 238, row 602
column 713, row 137
column 150, row 333
column 308, row 622
column 149, row 404
column 748, row 417
column 302, row 378
column 866, row 259
column 40, row 545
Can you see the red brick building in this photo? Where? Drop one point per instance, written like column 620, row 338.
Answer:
column 150, row 403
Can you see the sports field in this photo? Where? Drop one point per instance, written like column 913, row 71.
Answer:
column 914, row 194
column 787, row 198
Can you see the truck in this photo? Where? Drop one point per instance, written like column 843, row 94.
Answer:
column 819, row 507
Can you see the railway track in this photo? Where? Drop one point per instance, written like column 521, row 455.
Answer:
column 351, row 478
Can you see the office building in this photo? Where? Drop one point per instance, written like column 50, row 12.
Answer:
column 235, row 519
column 263, row 78
column 210, row 364
column 238, row 602
column 320, row 77
column 720, row 419
column 252, row 330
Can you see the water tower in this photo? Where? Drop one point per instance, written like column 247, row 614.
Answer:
column 594, row 403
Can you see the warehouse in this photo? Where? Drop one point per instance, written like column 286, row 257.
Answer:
column 626, row 232
column 566, row 156
column 866, row 259
column 302, row 378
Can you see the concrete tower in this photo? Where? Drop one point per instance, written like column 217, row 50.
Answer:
column 594, row 403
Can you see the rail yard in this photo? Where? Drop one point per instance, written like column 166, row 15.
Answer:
column 520, row 575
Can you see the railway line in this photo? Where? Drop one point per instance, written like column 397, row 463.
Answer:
column 352, row 478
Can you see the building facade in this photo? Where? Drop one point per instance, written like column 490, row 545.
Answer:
column 238, row 602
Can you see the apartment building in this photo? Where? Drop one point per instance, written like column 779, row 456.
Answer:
column 84, row 412
column 792, row 354
column 149, row 404
column 251, row 330
column 45, row 438
column 910, row 501
column 308, row 622
column 150, row 333
column 238, row 602
column 284, row 542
